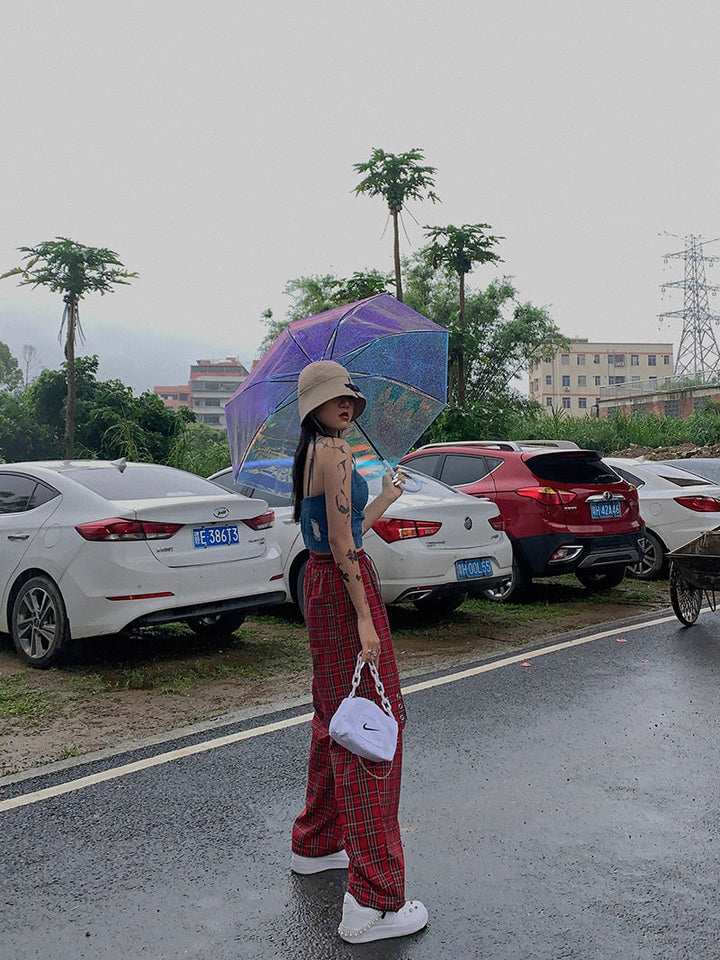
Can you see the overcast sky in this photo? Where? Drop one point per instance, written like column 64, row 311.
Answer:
column 211, row 145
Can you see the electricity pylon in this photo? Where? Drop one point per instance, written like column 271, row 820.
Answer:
column 698, row 354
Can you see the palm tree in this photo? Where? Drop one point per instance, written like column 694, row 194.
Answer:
column 458, row 250
column 396, row 178
column 72, row 269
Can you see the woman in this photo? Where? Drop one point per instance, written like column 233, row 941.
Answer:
column 350, row 816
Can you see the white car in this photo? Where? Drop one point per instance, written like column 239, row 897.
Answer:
column 94, row 547
column 675, row 505
column 432, row 547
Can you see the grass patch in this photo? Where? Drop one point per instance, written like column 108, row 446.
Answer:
column 20, row 700
column 263, row 647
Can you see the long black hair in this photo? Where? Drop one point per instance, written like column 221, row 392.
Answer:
column 310, row 428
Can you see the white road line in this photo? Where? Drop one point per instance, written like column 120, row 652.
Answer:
column 122, row 771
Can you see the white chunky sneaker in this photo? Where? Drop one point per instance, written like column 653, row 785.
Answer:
column 363, row 924
column 306, row 865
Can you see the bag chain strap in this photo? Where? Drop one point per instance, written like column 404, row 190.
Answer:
column 379, row 687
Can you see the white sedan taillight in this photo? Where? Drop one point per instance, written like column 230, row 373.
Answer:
column 391, row 529
column 262, row 522
column 120, row 529
column 700, row 503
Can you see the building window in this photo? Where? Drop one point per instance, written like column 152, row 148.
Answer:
column 566, row 381
column 652, row 360
column 566, row 403
column 616, row 359
column 616, row 381
column 548, row 381
column 635, row 379
column 565, row 358
column 582, row 403
column 666, row 359
column 581, row 359
column 548, row 401
column 597, row 381
column 653, row 381
column 634, row 360
column 582, row 380
column 596, row 358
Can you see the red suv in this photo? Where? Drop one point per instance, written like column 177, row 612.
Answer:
column 564, row 509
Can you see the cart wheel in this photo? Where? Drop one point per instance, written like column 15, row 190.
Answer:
column 686, row 600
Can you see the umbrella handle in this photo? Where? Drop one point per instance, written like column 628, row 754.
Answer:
column 410, row 484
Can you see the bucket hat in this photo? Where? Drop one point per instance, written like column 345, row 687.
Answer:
column 325, row 380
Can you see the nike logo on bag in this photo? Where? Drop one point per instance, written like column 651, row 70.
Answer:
column 374, row 729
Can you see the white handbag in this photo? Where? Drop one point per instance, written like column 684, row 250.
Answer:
column 363, row 727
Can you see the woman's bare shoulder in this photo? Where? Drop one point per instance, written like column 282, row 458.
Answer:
column 333, row 449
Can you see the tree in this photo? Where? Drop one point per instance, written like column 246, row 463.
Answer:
column 458, row 250
column 29, row 353
column 315, row 294
column 500, row 338
column 112, row 422
column 67, row 267
column 10, row 373
column 396, row 178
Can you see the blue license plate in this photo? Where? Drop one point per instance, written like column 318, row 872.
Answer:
column 472, row 569
column 204, row 537
column 606, row 510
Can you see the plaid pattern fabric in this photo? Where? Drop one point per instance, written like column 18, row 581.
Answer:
column 350, row 802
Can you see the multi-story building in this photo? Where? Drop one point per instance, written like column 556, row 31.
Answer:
column 572, row 380
column 175, row 397
column 211, row 384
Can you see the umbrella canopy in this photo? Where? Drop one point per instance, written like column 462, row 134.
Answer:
column 397, row 358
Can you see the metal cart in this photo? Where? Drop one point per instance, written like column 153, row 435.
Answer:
column 694, row 573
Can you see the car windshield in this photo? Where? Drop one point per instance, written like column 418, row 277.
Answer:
column 706, row 468
column 567, row 467
column 141, row 482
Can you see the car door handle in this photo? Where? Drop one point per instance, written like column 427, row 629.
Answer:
column 18, row 536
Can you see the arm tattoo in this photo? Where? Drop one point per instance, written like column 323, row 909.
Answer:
column 342, row 504
column 352, row 556
column 341, row 500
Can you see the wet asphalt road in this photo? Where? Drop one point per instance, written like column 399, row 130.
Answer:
column 565, row 809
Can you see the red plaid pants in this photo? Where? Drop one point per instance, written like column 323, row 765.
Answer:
column 350, row 802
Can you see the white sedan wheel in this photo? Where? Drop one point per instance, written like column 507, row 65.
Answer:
column 39, row 623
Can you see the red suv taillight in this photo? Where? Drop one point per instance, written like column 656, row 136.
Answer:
column 262, row 522
column 701, row 504
column 119, row 529
column 548, row 495
column 391, row 530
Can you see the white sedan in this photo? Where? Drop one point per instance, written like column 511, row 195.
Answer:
column 432, row 547
column 676, row 506
column 93, row 547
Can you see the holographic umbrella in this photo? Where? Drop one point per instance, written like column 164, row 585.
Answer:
column 397, row 358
